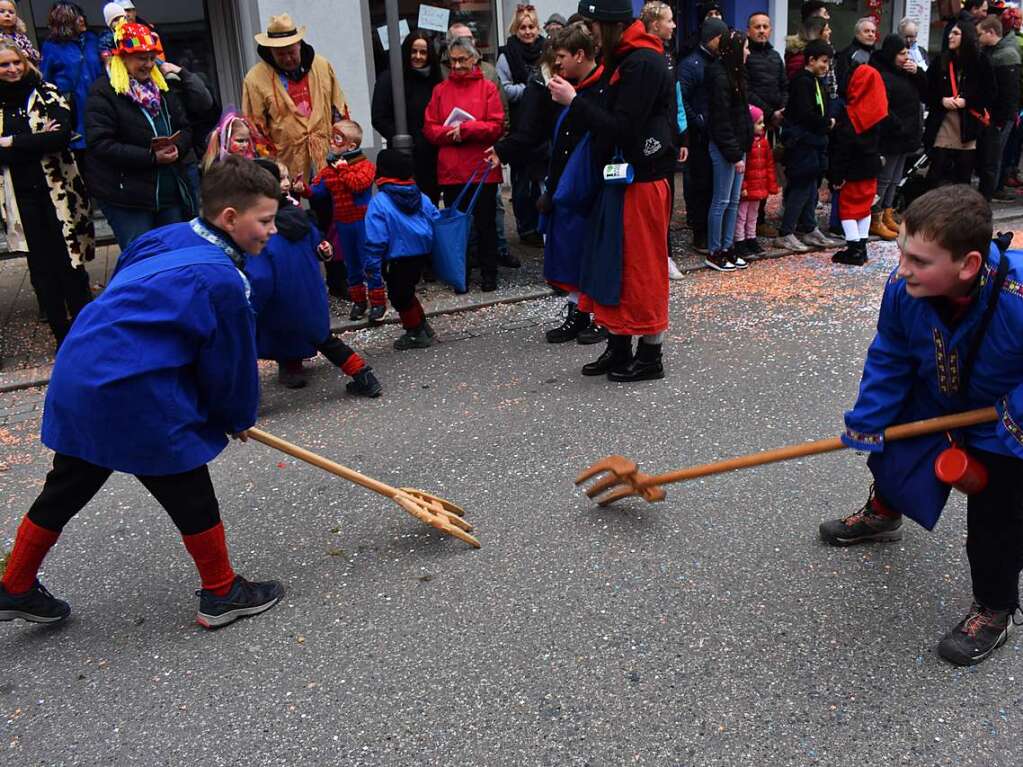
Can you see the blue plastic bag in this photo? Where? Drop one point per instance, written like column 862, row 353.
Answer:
column 451, row 235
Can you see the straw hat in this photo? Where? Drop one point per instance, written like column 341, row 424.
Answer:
column 280, row 33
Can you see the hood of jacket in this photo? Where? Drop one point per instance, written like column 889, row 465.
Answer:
column 292, row 222
column 303, row 69
column 867, row 100
column 476, row 73
column 405, row 196
column 635, row 37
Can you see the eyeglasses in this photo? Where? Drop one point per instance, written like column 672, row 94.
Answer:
column 459, row 60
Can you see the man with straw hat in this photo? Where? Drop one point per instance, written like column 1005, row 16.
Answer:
column 293, row 97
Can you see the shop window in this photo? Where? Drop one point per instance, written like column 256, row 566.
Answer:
column 182, row 26
column 480, row 15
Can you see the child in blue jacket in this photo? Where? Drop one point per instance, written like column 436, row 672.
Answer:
column 949, row 339
column 399, row 239
column 153, row 376
column 290, row 300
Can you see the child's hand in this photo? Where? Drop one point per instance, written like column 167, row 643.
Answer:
column 298, row 187
column 325, row 251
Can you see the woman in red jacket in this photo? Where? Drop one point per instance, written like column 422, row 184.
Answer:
column 464, row 118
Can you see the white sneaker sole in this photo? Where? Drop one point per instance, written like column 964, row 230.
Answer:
column 10, row 615
column 216, row 621
column 717, row 268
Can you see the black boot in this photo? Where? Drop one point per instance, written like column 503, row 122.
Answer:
column 616, row 356
column 358, row 311
column 575, row 322
column 593, row 334
column 854, row 254
column 364, row 384
column 645, row 367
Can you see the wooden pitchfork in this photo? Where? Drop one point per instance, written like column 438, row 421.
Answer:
column 624, row 478
column 429, row 509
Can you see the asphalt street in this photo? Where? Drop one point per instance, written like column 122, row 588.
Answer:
column 711, row 629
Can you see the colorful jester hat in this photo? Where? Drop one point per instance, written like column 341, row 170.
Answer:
column 133, row 38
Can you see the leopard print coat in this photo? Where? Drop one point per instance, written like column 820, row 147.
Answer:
column 67, row 189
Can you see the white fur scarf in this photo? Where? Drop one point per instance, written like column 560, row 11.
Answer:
column 67, row 189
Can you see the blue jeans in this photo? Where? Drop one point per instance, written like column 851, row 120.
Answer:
column 724, row 202
column 800, row 206
column 129, row 223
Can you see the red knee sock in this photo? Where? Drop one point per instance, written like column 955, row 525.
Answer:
column 209, row 550
column 30, row 548
column 378, row 297
column 357, row 293
column 353, row 365
column 412, row 317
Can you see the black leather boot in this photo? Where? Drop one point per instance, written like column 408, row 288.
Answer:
column 617, row 356
column 854, row 254
column 645, row 367
column 575, row 322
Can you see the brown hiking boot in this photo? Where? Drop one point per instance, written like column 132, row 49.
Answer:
column 878, row 228
column 890, row 219
column 867, row 525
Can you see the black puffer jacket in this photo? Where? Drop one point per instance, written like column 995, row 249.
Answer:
column 768, row 85
column 902, row 131
column 847, row 59
column 729, row 123
column 120, row 167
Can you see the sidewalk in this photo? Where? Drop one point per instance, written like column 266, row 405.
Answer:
column 26, row 345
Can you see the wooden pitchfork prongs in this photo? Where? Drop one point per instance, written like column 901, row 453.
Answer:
column 436, row 512
column 623, row 479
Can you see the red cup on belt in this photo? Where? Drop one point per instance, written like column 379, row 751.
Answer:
column 955, row 467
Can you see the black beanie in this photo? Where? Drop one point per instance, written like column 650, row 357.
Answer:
column 394, row 164
column 606, row 10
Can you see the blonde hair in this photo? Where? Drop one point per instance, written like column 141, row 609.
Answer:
column 10, row 45
column 652, row 12
column 520, row 15
column 351, row 129
column 19, row 24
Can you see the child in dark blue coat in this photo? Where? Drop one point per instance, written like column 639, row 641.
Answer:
column 290, row 299
column 153, row 376
column 399, row 239
column 949, row 339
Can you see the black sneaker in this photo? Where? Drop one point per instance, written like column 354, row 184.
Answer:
column 244, row 599
column 376, row 313
column 508, row 259
column 575, row 322
column 594, row 334
column 364, row 384
column 863, row 526
column 37, row 605
column 418, row 338
column 976, row 636
column 358, row 311
column 753, row 247
column 719, row 261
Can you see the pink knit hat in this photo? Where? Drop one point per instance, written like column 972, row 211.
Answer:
column 756, row 113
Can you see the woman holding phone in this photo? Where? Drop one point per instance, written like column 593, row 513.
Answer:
column 138, row 136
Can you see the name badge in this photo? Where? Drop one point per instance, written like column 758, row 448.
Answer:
column 618, row 173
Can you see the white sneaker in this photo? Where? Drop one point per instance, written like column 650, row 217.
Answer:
column 673, row 271
column 739, row 261
column 791, row 242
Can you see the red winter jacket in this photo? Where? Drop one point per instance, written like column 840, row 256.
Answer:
column 479, row 97
column 760, row 181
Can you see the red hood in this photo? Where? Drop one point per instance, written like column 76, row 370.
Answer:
column 867, row 101
column 636, row 37
column 591, row 79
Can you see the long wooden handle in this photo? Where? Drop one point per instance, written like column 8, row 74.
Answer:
column 322, row 463
column 902, row 431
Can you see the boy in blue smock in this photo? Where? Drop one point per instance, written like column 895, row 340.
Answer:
column 153, row 376
column 399, row 239
column 949, row 339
